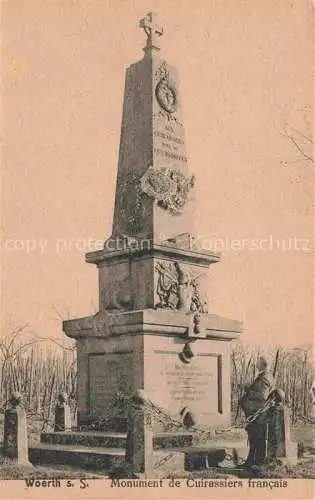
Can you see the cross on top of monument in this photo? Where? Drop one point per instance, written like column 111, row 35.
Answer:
column 152, row 29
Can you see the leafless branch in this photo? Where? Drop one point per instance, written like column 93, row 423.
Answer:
column 291, row 134
column 49, row 339
column 60, row 317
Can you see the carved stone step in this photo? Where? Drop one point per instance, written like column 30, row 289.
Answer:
column 114, row 439
column 95, row 439
column 99, row 458
column 85, row 457
column 172, row 440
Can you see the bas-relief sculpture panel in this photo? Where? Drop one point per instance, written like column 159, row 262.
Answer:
column 180, row 287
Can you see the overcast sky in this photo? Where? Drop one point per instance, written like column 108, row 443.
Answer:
column 245, row 70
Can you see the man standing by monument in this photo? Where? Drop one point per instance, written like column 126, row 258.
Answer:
column 253, row 402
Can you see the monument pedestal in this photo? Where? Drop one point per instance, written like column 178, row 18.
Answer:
column 142, row 350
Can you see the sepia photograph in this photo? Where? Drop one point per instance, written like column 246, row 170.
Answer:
column 157, row 261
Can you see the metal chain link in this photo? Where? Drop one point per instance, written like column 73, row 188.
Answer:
column 268, row 404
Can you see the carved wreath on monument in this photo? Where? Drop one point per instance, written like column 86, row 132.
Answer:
column 168, row 186
column 166, row 95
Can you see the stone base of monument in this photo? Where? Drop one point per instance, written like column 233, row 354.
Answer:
column 146, row 350
column 115, row 439
column 105, row 459
column 83, row 457
column 172, row 452
column 96, row 450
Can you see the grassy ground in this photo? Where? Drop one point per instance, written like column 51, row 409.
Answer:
column 304, row 469
column 11, row 470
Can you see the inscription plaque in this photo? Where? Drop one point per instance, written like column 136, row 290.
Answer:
column 169, row 142
column 108, row 375
column 196, row 385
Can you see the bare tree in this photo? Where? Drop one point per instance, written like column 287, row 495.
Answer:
column 38, row 367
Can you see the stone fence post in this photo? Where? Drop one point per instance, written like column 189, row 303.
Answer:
column 15, row 443
column 62, row 413
column 279, row 445
column 139, row 446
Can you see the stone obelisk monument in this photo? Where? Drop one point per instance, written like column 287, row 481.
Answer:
column 155, row 329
